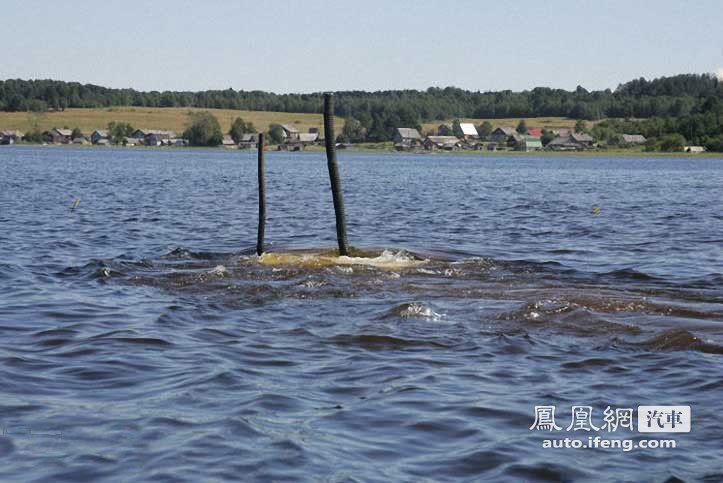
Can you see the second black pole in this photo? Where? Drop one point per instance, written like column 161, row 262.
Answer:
column 262, row 198
column 334, row 173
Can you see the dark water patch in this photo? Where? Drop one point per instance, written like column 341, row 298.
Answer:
column 629, row 274
column 149, row 341
column 592, row 363
column 6, row 446
column 545, row 472
column 678, row 340
column 469, row 466
column 382, row 342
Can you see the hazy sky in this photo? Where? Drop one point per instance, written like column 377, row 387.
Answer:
column 310, row 46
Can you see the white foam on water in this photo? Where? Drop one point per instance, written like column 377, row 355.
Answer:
column 219, row 270
column 419, row 310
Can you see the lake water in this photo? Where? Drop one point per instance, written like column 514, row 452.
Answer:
column 140, row 338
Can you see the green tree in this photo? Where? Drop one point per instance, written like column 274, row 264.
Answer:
column 580, row 126
column 239, row 128
column 204, row 130
column 119, row 130
column 672, row 142
column 651, row 145
column 353, row 131
column 77, row 133
column 485, row 130
column 547, row 136
column 33, row 136
column 457, row 129
column 715, row 143
column 276, row 133
column 522, row 127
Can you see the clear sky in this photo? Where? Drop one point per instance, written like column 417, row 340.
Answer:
column 310, row 46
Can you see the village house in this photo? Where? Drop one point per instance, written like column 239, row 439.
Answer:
column 228, row 141
column 248, row 140
column 299, row 142
column 529, row 143
column 567, row 143
column 693, row 149
column 98, row 135
column 561, row 133
column 308, row 138
column 467, row 131
column 514, row 140
column 535, row 132
column 447, row 143
column 501, row 134
column 445, row 130
column 584, row 139
column 290, row 132
column 59, row 136
column 406, row 138
column 630, row 139
column 157, row 137
column 132, row 141
column 11, row 136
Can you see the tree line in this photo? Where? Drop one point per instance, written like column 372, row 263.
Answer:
column 686, row 104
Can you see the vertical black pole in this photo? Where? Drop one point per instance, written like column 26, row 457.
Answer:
column 334, row 173
column 262, row 198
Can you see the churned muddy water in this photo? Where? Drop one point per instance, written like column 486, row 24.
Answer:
column 142, row 339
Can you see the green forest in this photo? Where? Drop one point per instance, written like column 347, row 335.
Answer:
column 688, row 105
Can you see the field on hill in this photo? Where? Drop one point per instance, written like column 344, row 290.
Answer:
column 177, row 119
column 169, row 118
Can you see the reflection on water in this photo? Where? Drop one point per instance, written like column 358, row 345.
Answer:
column 143, row 339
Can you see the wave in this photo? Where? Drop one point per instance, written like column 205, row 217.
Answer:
column 678, row 340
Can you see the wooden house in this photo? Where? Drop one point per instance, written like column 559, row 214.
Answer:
column 445, row 130
column 501, row 134
column 407, row 136
column 132, row 141
column 60, row 136
column 156, row 137
column 567, row 143
column 248, row 140
column 98, row 135
column 630, row 139
column 447, row 143
column 514, row 140
column 11, row 136
column 290, row 132
column 585, row 139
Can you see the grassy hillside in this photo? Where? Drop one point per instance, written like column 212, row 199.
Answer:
column 177, row 118
column 174, row 119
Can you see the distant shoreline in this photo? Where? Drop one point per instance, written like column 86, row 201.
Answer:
column 374, row 148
